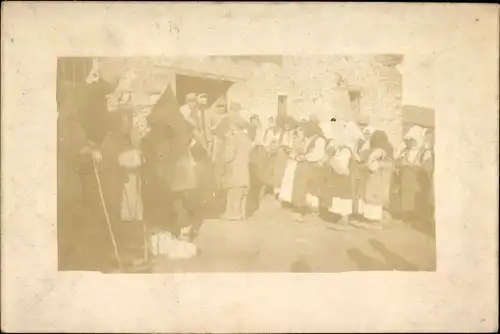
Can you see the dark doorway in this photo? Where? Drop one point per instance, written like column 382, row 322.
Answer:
column 282, row 107
column 355, row 98
column 213, row 88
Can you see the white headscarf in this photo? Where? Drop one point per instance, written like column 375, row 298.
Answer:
column 416, row 133
column 368, row 131
column 349, row 135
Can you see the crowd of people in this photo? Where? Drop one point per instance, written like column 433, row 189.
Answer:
column 118, row 186
column 354, row 178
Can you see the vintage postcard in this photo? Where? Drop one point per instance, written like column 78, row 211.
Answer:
column 237, row 164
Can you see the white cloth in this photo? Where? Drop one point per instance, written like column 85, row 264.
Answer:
column 131, row 208
column 318, row 150
column 412, row 156
column 427, row 155
column 186, row 111
column 340, row 161
column 370, row 211
column 269, row 137
column 348, row 135
column 341, row 206
column 352, row 132
column 164, row 243
column 287, row 182
column 417, row 133
column 131, row 204
column 286, row 140
column 368, row 131
column 312, row 201
column 130, row 159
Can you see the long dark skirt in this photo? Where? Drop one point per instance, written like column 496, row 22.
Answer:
column 187, row 210
column 409, row 188
column 336, row 185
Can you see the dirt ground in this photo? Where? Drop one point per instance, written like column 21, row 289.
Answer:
column 271, row 241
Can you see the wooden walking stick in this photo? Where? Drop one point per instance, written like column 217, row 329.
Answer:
column 117, row 255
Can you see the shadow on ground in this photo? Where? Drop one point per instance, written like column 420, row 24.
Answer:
column 392, row 260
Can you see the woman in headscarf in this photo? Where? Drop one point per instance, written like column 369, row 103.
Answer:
column 270, row 138
column 259, row 161
column 340, row 176
column 375, row 181
column 302, row 179
column 364, row 141
column 280, row 148
column 427, row 178
column 409, row 165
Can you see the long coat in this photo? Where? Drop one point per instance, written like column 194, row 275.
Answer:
column 237, row 155
column 410, row 185
column 71, row 140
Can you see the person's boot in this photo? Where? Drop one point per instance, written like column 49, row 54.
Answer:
column 342, row 224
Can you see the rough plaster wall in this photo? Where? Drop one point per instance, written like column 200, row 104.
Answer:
column 311, row 83
column 388, row 105
column 258, row 95
column 418, row 81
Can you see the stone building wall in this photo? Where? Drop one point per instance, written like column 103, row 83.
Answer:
column 320, row 85
column 314, row 85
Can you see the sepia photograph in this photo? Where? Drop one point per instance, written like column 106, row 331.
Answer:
column 249, row 163
column 232, row 167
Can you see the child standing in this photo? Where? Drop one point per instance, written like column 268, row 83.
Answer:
column 236, row 172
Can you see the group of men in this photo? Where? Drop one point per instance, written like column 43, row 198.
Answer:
column 118, row 186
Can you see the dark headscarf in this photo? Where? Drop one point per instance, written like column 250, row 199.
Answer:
column 379, row 140
column 93, row 109
column 115, row 119
column 312, row 128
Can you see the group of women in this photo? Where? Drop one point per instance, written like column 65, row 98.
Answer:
column 354, row 178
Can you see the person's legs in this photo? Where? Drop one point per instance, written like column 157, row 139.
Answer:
column 342, row 208
column 179, row 214
column 240, row 205
column 192, row 205
column 195, row 213
column 229, row 202
column 253, row 197
column 301, row 213
column 373, row 215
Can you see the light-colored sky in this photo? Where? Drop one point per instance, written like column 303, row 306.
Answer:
column 418, row 81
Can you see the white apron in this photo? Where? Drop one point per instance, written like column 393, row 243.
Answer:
column 287, row 183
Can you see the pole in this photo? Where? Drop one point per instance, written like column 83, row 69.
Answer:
column 117, row 255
